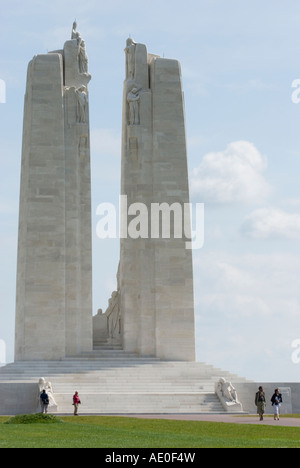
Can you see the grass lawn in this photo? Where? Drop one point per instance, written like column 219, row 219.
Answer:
column 119, row 432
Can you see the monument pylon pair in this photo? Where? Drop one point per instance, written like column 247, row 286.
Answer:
column 54, row 317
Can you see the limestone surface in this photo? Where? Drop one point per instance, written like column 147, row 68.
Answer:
column 54, row 274
column 156, row 272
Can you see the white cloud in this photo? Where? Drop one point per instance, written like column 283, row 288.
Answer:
column 272, row 223
column 247, row 311
column 231, row 176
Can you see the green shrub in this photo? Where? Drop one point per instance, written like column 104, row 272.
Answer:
column 34, row 419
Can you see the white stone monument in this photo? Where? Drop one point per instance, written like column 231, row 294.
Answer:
column 152, row 312
column 54, row 277
column 156, row 272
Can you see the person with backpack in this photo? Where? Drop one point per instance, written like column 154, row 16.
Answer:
column 260, row 402
column 44, row 399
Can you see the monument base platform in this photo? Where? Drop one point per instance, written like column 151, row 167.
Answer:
column 114, row 382
column 110, row 381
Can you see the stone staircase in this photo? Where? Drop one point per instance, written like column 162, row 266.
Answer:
column 110, row 381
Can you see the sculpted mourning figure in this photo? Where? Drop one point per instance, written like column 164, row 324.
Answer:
column 228, row 396
column 83, row 146
column 81, row 96
column 82, row 58
column 133, row 99
column 113, row 315
column 130, row 58
column 75, row 33
column 228, row 391
column 82, row 55
column 82, row 99
column 47, row 386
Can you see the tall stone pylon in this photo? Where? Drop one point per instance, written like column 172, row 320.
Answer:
column 54, row 272
column 156, row 272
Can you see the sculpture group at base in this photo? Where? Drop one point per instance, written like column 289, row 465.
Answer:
column 228, row 396
column 47, row 387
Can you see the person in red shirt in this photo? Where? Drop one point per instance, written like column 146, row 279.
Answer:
column 76, row 403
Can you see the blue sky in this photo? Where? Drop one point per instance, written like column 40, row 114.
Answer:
column 239, row 59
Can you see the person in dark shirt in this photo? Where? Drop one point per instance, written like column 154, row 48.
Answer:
column 44, row 399
column 276, row 403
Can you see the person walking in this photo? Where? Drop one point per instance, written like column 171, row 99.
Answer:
column 260, row 402
column 44, row 399
column 276, row 403
column 76, row 403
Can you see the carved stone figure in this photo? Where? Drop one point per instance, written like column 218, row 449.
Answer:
column 82, row 55
column 228, row 396
column 133, row 99
column 83, row 146
column 130, row 58
column 47, row 386
column 75, row 33
column 82, row 99
column 50, row 393
column 228, row 391
column 82, row 58
column 42, row 384
column 113, row 315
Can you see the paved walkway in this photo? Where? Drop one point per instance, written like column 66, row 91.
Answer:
column 268, row 421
